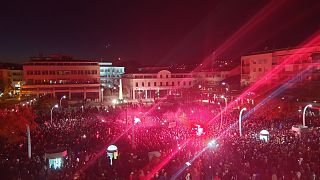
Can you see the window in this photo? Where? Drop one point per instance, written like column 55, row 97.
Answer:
column 260, row 69
column 160, row 83
column 189, row 83
column 184, row 83
column 178, row 83
column 172, row 83
column 149, row 84
column 167, row 76
column 154, row 83
column 160, row 77
column 137, row 85
column 142, row 84
column 167, row 83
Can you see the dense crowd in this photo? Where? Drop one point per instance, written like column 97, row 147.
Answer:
column 164, row 143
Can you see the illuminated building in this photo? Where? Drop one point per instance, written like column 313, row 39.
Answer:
column 110, row 74
column 58, row 75
column 4, row 80
column 150, row 83
column 16, row 80
column 255, row 66
column 158, row 82
column 11, row 79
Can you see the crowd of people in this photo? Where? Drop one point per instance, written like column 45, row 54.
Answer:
column 170, row 140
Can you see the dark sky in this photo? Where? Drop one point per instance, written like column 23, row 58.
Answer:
column 152, row 32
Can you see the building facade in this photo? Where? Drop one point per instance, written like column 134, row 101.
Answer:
column 11, row 81
column 4, row 81
column 110, row 75
column 59, row 76
column 159, row 82
column 16, row 80
column 254, row 67
column 156, row 84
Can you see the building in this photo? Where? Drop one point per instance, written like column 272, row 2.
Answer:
column 155, row 82
column 158, row 82
column 16, row 80
column 11, row 79
column 59, row 75
column 211, row 79
column 255, row 66
column 110, row 75
column 4, row 81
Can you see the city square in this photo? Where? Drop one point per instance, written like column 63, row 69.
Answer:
column 170, row 90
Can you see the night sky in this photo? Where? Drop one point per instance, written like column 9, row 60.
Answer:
column 152, row 32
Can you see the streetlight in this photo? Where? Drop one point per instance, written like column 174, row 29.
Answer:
column 63, row 97
column 240, row 130
column 101, row 94
column 304, row 114
column 225, row 101
column 226, row 105
column 29, row 141
column 221, row 118
column 135, row 120
column 55, row 106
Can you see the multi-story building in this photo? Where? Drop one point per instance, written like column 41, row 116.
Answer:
column 62, row 75
column 4, row 80
column 11, row 79
column 110, row 75
column 212, row 79
column 150, row 83
column 255, row 66
column 158, row 82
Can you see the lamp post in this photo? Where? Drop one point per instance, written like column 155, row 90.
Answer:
column 221, row 118
column 240, row 130
column 135, row 120
column 101, row 94
column 29, row 141
column 55, row 106
column 63, row 97
column 225, row 101
column 304, row 114
column 226, row 105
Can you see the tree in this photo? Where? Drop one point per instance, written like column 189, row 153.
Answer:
column 13, row 124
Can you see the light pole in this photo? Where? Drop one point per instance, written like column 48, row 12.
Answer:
column 55, row 106
column 29, row 141
column 101, row 94
column 304, row 114
column 63, row 97
column 225, row 101
column 240, row 130
column 226, row 105
column 221, row 118
column 135, row 120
